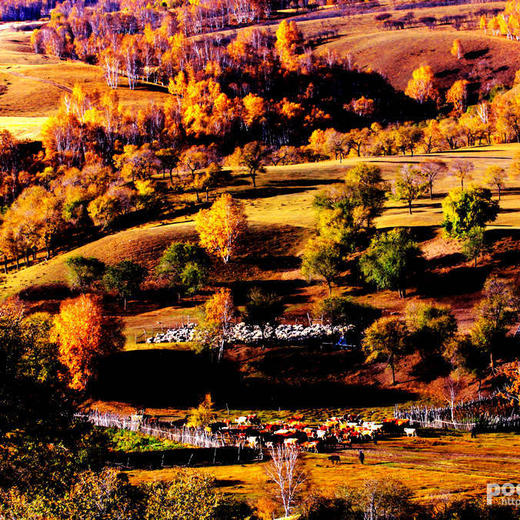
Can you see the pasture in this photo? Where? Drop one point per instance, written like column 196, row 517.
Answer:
column 281, row 218
column 439, row 468
column 32, row 85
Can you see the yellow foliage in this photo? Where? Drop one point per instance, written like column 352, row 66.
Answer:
column 221, row 227
column 456, row 49
column 421, row 86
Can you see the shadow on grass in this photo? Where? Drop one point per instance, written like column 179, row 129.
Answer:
column 304, row 182
column 265, row 192
column 431, row 367
column 289, row 290
column 473, row 55
column 462, row 280
column 181, row 379
column 419, row 233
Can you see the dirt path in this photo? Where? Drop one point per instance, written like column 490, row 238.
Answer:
column 41, row 80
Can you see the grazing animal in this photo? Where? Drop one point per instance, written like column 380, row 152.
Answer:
column 334, row 459
column 253, row 441
column 410, row 432
column 311, row 446
column 361, row 457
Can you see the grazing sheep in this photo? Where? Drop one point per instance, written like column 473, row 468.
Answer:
column 252, row 334
column 334, row 459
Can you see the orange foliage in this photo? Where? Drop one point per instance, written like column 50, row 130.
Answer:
column 458, row 94
column 84, row 335
column 362, row 106
column 456, row 49
column 219, row 308
column 288, row 38
column 254, row 109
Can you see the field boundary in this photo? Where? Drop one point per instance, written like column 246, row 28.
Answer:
column 483, row 414
column 197, row 437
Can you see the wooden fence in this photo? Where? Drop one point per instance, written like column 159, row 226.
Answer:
column 198, row 437
column 467, row 415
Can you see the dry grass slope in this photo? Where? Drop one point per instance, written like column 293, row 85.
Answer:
column 437, row 468
column 31, row 85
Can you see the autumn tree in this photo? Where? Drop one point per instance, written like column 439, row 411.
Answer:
column 474, row 244
column 430, row 326
column 461, row 169
column 9, row 166
column 381, row 498
column 345, row 311
column 387, row 338
column 137, row 163
column 457, row 95
column 409, row 185
column 84, row 335
column 254, row 110
column 345, row 212
column 407, row 137
column 125, row 278
column 365, row 187
column 107, row 208
column 511, row 390
column 169, row 159
column 219, row 311
column 221, row 227
column 465, row 210
column 448, row 391
column 288, row 39
column 107, row 492
column 203, row 415
column 286, row 472
column 432, row 170
column 196, row 158
column 421, row 87
column 187, row 496
column 495, row 176
column 38, row 445
column 392, row 260
column 36, row 220
column 363, row 107
column 456, row 49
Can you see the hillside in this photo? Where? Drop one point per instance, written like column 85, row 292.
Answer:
column 281, row 216
column 32, row 85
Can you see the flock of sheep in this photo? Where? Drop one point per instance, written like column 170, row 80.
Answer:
column 243, row 333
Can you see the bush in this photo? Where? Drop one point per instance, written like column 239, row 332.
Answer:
column 128, row 441
column 84, row 272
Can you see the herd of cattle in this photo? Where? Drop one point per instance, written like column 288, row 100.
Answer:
column 334, row 433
